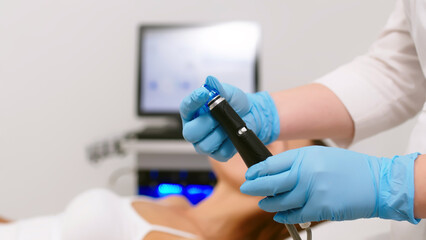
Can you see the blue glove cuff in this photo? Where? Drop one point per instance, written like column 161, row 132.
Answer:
column 267, row 117
column 396, row 191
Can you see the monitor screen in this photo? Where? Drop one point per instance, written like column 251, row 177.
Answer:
column 175, row 60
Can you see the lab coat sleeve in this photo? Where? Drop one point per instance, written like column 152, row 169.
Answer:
column 386, row 86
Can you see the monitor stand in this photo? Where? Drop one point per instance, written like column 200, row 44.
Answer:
column 171, row 130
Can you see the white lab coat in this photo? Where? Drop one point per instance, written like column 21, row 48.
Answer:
column 387, row 86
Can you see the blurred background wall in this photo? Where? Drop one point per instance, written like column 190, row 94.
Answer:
column 68, row 78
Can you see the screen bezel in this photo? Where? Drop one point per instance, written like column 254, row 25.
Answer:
column 142, row 29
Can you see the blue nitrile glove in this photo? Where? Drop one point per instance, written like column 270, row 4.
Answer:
column 323, row 183
column 257, row 110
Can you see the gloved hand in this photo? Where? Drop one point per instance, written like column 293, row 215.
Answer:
column 322, row 183
column 203, row 131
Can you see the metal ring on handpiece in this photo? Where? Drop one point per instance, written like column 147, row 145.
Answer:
column 218, row 99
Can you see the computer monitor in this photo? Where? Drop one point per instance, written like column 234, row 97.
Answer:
column 176, row 59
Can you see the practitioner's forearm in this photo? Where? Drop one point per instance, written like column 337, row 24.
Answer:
column 420, row 187
column 312, row 112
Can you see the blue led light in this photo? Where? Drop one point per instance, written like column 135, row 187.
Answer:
column 194, row 190
column 165, row 189
column 199, row 189
column 194, row 193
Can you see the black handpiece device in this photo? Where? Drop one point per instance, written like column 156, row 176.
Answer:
column 248, row 145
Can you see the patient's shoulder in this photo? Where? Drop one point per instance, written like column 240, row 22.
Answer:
column 90, row 212
column 175, row 201
column 157, row 213
column 101, row 214
column 154, row 235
